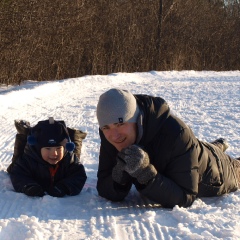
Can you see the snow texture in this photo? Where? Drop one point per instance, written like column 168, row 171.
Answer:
column 209, row 102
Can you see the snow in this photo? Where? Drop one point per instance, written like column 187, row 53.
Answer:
column 208, row 101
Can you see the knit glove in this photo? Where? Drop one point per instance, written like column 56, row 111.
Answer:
column 137, row 164
column 119, row 175
column 22, row 126
column 57, row 191
column 33, row 190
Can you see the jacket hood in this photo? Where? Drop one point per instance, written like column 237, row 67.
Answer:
column 155, row 111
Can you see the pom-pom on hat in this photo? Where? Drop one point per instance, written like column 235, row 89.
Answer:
column 117, row 106
column 50, row 133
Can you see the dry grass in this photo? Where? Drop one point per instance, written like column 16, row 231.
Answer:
column 44, row 40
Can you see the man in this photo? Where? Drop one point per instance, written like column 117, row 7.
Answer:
column 143, row 144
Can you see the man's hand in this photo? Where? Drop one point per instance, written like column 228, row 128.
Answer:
column 119, row 175
column 137, row 164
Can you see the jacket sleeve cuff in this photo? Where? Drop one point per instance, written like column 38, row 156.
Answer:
column 122, row 188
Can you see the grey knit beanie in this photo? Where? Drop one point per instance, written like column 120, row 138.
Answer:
column 117, row 106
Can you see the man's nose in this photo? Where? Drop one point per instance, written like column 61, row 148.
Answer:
column 114, row 134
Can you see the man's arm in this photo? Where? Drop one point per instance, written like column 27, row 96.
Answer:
column 178, row 184
column 106, row 187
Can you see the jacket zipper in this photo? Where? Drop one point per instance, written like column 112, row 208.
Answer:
column 53, row 171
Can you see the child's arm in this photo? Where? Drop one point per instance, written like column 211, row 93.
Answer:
column 75, row 180
column 22, row 180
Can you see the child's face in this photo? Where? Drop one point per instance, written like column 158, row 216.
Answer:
column 52, row 155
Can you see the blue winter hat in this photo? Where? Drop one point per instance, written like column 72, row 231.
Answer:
column 50, row 134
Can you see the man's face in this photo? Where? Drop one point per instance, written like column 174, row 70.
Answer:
column 120, row 135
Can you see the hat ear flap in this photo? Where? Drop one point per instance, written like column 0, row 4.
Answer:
column 31, row 140
column 70, row 146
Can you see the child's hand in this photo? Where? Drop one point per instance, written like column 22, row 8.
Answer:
column 22, row 126
column 33, row 190
column 57, row 191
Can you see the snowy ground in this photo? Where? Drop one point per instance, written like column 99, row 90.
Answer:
column 208, row 101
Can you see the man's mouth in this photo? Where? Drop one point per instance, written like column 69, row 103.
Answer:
column 120, row 141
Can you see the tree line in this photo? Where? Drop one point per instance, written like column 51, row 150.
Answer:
column 49, row 40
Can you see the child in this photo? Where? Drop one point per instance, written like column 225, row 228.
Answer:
column 48, row 164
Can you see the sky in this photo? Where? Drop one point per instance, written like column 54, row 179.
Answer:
column 209, row 102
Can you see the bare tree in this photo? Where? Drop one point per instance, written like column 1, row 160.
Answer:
column 44, row 40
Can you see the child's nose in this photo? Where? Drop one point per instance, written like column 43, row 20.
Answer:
column 54, row 151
